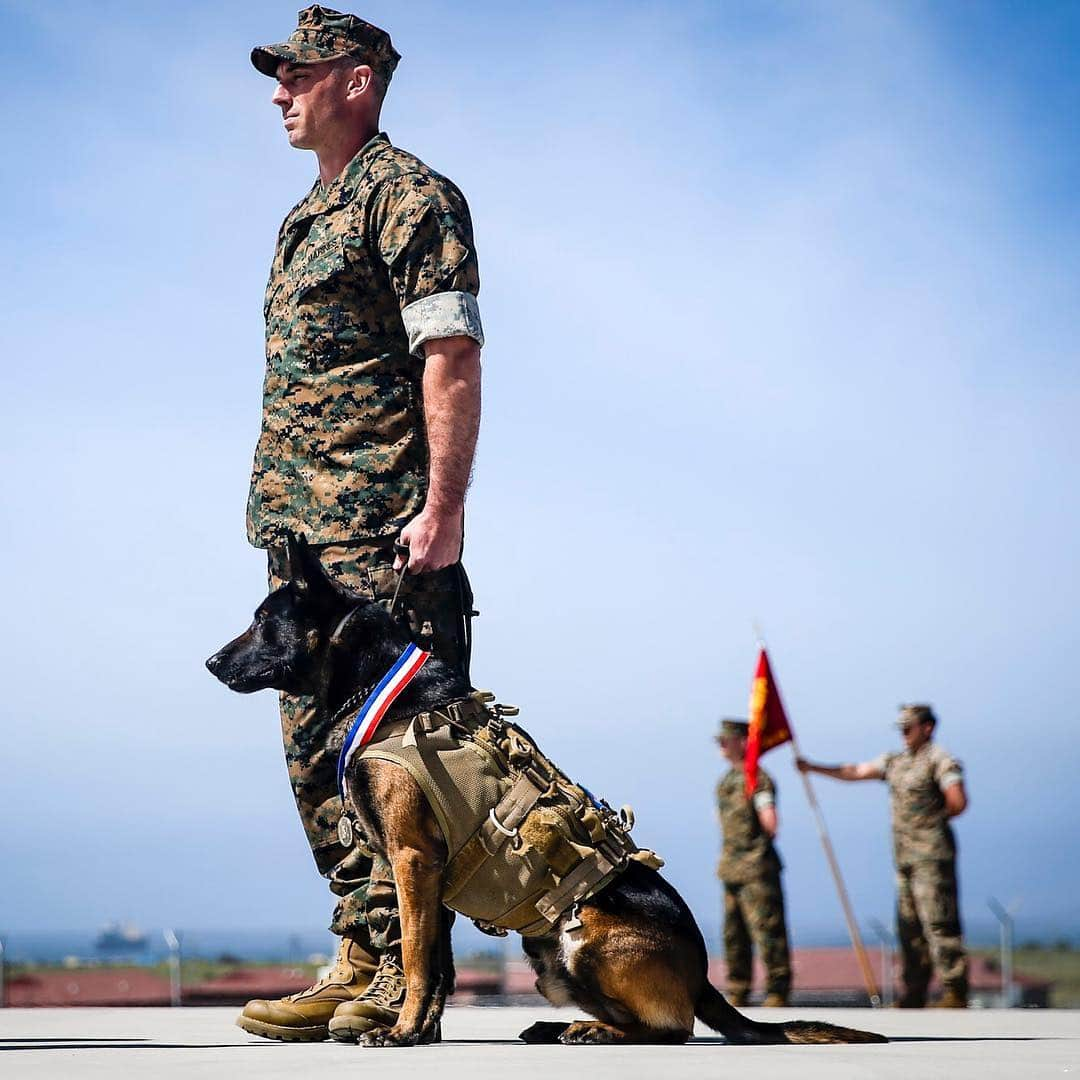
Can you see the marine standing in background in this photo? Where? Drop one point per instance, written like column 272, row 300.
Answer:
column 371, row 405
column 926, row 788
column 750, row 870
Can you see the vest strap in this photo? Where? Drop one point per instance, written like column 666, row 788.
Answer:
column 580, row 883
column 499, row 826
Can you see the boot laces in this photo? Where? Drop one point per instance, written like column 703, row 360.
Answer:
column 386, row 983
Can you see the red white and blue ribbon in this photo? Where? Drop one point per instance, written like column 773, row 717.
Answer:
column 405, row 669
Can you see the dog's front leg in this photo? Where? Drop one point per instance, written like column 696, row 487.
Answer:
column 418, row 877
column 444, row 976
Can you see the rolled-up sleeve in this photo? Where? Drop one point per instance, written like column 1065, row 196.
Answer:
column 765, row 795
column 442, row 315
column 881, row 764
column 425, row 239
column 947, row 770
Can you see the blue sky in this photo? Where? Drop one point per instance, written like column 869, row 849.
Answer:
column 781, row 306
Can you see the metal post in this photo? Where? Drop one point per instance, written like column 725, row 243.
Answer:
column 1005, row 918
column 3, row 984
column 172, row 939
column 888, row 946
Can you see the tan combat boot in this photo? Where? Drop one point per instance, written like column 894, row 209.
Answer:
column 304, row 1017
column 378, row 1006
column 775, row 1000
column 738, row 998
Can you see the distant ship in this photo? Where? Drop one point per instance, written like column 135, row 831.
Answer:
column 115, row 937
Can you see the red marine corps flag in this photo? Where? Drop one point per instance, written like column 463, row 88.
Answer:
column 769, row 727
column 768, row 722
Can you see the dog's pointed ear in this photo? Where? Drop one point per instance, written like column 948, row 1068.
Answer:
column 307, row 575
column 296, row 553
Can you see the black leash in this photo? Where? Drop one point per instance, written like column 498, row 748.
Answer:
column 402, row 550
column 463, row 587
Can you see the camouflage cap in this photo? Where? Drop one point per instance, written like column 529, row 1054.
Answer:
column 324, row 34
column 733, row 727
column 915, row 714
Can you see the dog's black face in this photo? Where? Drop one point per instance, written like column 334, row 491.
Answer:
column 287, row 642
column 279, row 649
column 312, row 636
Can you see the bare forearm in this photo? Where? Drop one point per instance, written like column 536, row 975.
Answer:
column 837, row 772
column 956, row 800
column 452, row 418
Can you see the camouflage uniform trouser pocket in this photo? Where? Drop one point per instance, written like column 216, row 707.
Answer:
column 434, row 606
column 754, row 913
column 928, row 923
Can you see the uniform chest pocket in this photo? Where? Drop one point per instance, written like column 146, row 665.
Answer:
column 321, row 274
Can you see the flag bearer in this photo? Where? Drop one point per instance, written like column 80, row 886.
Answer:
column 926, row 786
column 750, row 870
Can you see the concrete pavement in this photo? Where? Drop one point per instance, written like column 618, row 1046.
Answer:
column 480, row 1043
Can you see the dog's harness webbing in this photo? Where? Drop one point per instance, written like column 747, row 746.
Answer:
column 524, row 843
column 367, row 720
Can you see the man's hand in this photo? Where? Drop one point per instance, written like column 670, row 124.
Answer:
column 803, row 765
column 434, row 541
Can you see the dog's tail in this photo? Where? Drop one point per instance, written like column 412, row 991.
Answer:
column 714, row 1009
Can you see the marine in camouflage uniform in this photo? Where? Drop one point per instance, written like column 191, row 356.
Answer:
column 342, row 456
column 750, row 870
column 926, row 788
column 371, row 267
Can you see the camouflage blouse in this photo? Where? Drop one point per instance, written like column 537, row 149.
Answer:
column 365, row 272
column 917, row 782
column 748, row 853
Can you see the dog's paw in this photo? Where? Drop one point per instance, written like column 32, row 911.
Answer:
column 543, row 1032
column 590, row 1033
column 395, row 1036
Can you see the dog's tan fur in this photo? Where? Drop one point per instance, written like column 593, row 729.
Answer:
column 631, row 956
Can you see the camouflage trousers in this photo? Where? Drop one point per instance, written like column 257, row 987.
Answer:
column 928, row 924
column 435, row 606
column 754, row 913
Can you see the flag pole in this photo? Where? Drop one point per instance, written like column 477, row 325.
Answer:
column 841, row 891
column 834, row 866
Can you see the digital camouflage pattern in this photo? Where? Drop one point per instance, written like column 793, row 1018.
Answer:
column 748, row 852
column 924, row 849
column 324, row 34
column 432, row 604
column 754, row 914
column 342, row 454
column 928, row 922
column 917, row 782
column 753, row 897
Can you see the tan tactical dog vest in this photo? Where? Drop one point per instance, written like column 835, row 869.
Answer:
column 525, row 843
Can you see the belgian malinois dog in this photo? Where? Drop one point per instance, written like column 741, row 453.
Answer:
column 637, row 963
